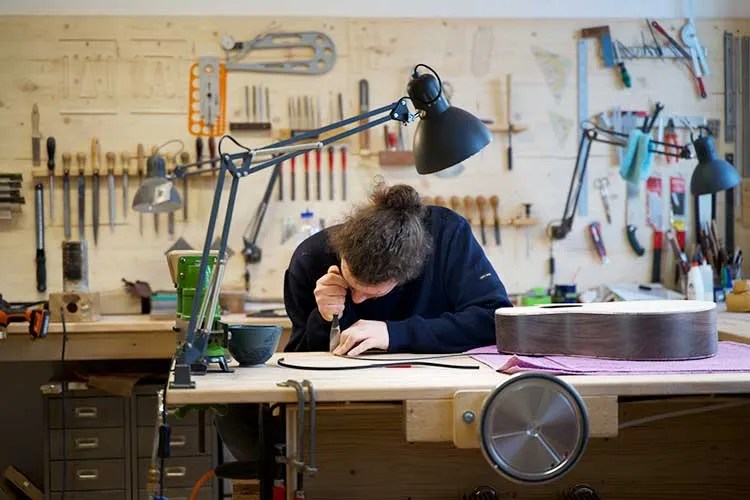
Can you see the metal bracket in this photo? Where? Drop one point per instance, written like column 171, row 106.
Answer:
column 324, row 53
column 298, row 461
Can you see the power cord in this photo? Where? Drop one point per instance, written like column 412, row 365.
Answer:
column 62, row 393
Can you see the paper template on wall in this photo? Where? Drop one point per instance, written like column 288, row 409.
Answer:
column 556, row 70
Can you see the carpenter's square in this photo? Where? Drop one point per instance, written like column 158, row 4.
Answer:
column 111, row 158
column 184, row 160
column 66, row 160
column 125, row 165
column 36, row 137
column 51, row 145
column 140, row 165
column 81, row 160
column 96, row 158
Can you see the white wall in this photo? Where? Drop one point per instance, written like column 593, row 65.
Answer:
column 389, row 8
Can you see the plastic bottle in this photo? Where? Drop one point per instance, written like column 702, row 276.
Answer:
column 307, row 226
column 707, row 275
column 695, row 290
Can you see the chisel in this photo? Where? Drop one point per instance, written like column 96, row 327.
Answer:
column 51, row 145
column 318, row 161
column 364, row 107
column 184, row 160
column 293, row 177
column 481, row 205
column 331, row 189
column 343, row 172
column 140, row 165
column 125, row 165
column 41, row 264
column 96, row 158
column 509, row 151
column 81, row 159
column 307, row 176
column 494, row 203
column 36, row 137
column 111, row 158
column 66, row 159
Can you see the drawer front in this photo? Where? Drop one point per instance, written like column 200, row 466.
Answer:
column 146, row 414
column 179, row 472
column 87, row 412
column 87, row 443
column 90, row 495
column 88, row 475
column 206, row 493
column 184, row 441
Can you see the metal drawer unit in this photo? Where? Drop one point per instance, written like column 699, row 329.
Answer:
column 88, row 449
column 192, row 453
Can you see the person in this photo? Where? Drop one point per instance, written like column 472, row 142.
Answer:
column 401, row 277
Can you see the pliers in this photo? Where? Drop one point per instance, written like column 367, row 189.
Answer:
column 670, row 138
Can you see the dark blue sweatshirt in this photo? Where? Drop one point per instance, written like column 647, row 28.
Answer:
column 448, row 308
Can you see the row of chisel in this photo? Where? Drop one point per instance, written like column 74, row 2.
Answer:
column 467, row 206
column 304, row 111
column 307, row 169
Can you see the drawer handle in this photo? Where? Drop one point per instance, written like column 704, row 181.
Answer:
column 86, row 412
column 87, row 474
column 175, row 471
column 87, row 443
column 178, row 441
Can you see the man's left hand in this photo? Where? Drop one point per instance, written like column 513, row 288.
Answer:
column 362, row 336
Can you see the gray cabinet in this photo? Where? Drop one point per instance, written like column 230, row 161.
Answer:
column 99, row 446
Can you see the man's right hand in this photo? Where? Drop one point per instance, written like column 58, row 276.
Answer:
column 330, row 293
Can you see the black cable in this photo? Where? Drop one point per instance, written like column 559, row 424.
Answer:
column 62, row 393
column 440, row 82
column 283, row 363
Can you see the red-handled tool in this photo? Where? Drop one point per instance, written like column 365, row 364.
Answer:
column 684, row 53
column 595, row 231
column 343, row 172
column 331, row 189
column 34, row 314
column 654, row 216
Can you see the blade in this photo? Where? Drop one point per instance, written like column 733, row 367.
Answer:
column 95, row 208
column 66, row 206
column 111, row 199
column 81, row 207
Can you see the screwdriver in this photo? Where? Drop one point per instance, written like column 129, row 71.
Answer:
column 51, row 167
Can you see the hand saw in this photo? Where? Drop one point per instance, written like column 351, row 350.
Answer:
column 324, row 53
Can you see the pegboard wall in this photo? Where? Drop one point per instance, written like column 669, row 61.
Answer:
column 124, row 80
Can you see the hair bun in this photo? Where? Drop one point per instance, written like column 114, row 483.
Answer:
column 399, row 197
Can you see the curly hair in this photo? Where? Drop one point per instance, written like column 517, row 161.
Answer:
column 386, row 239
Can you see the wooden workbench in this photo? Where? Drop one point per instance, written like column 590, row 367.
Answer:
column 112, row 337
column 396, row 432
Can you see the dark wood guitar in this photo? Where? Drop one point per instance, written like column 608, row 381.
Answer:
column 634, row 330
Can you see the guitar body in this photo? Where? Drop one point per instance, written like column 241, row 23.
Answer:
column 635, row 330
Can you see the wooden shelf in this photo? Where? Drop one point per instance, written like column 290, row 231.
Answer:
column 516, row 129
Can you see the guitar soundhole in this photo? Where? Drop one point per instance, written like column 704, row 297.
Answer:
column 559, row 306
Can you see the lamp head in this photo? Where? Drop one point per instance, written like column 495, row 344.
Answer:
column 712, row 174
column 445, row 135
column 157, row 193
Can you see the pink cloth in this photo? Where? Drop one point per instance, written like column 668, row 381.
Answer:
column 730, row 357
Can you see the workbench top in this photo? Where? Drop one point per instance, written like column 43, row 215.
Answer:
column 260, row 384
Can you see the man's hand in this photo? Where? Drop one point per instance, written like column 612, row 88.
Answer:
column 362, row 336
column 330, row 293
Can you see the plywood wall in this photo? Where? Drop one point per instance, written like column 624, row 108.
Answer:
column 124, row 80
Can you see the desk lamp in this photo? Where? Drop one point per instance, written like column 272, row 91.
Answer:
column 445, row 136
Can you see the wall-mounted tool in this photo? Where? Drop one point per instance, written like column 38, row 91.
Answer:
column 81, row 161
column 96, row 160
column 364, row 107
column 595, row 231
column 213, row 154
column 125, row 165
column 51, row 146
column 207, row 98
column 481, row 207
column 331, row 188
column 10, row 195
column 260, row 117
column 111, row 158
column 495, row 204
column 36, row 137
column 41, row 263
column 602, row 185
column 509, row 151
column 140, row 165
column 609, row 53
column 675, row 45
column 307, row 175
column 324, row 53
column 66, row 160
column 292, row 179
column 654, row 217
column 184, row 160
column 527, row 230
column 343, row 172
column 318, row 175
column 455, row 204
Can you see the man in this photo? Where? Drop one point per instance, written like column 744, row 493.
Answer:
column 401, row 277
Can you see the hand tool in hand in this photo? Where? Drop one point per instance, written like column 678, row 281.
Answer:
column 41, row 264
column 602, row 185
column 595, row 230
column 34, row 314
column 654, row 216
column 111, row 158
column 494, row 203
column 66, row 160
column 481, row 206
column 343, row 173
column 140, row 164
column 184, row 160
column 96, row 159
column 318, row 176
column 307, row 175
column 125, row 164
column 335, row 334
column 509, row 151
column 331, row 189
column 364, row 107
column 455, row 202
column 527, row 214
column 36, row 137
column 51, row 145
column 81, row 160
column 292, row 178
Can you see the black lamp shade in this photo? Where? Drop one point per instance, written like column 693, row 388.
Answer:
column 156, row 194
column 712, row 174
column 445, row 135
